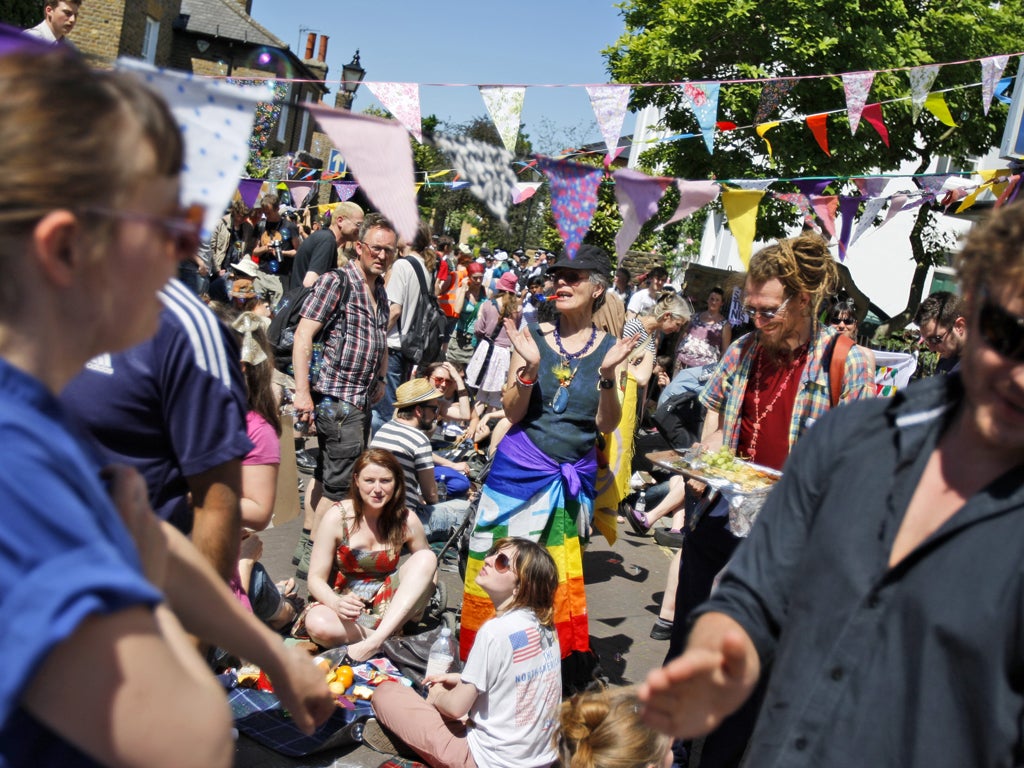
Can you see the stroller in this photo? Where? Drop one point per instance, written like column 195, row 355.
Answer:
column 458, row 542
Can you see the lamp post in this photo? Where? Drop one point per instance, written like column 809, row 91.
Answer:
column 352, row 75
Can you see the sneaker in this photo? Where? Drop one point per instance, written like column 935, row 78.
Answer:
column 304, row 460
column 661, row 631
column 673, row 539
column 378, row 738
column 637, row 521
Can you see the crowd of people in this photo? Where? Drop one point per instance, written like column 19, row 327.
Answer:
column 868, row 611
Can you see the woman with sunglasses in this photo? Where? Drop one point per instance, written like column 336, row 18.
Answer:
column 101, row 592
column 360, row 594
column 456, row 417
column 843, row 317
column 510, row 687
column 561, row 392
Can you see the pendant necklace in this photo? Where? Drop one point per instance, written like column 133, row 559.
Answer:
column 563, row 372
column 759, row 416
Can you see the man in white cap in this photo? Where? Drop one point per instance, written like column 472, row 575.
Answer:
column 416, row 405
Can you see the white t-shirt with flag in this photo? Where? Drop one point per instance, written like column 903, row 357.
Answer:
column 516, row 665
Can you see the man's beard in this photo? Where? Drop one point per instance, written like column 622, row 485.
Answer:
column 778, row 348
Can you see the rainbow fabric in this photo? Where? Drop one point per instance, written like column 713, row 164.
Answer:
column 529, row 496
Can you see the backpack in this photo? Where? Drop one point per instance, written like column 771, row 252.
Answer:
column 422, row 344
column 281, row 332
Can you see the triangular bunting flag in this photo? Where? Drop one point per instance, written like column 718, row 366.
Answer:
column 300, row 191
column 573, row 198
column 991, row 68
column 848, row 211
column 759, row 184
column 346, row 190
column 703, row 100
column 936, row 104
column 867, row 218
column 771, row 95
column 740, row 207
column 921, row 79
column 896, row 204
column 825, row 207
column 403, row 101
column 1010, row 193
column 505, row 106
column 873, row 114
column 488, row 169
column 249, row 190
column 799, row 201
column 819, row 127
column 380, row 157
column 812, row 186
column 871, row 187
column 692, row 196
column 857, row 85
column 637, row 195
column 609, row 103
column 524, row 191
column 762, row 129
column 1001, row 87
column 216, row 120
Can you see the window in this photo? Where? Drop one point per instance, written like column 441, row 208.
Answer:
column 150, row 40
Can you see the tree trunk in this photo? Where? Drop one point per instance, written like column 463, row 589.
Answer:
column 924, row 263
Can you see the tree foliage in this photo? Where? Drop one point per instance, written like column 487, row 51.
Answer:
column 671, row 41
column 21, row 13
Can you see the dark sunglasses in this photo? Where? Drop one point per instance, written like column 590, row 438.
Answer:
column 569, row 276
column 501, row 561
column 1001, row 331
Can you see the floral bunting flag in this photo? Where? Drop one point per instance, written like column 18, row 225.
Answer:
column 771, row 95
column 991, row 68
column 505, row 106
column 871, row 209
column 487, row 168
column 799, row 201
column 936, row 104
column 249, row 190
column 848, row 211
column 380, row 157
column 761, row 184
column 819, row 127
column 703, row 100
column 638, row 196
column 825, row 207
column 692, row 196
column 346, row 190
column 921, row 79
column 573, row 198
column 857, row 85
column 762, row 129
column 524, row 191
column 609, row 103
column 740, row 207
column 873, row 114
column 403, row 101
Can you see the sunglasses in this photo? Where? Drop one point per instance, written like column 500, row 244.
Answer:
column 501, row 561
column 569, row 276
column 937, row 338
column 1002, row 331
column 765, row 314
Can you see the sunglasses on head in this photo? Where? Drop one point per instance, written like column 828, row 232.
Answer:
column 501, row 561
column 1001, row 331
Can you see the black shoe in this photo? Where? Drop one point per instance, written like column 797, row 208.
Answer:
column 669, row 538
column 377, row 738
column 304, row 460
column 661, row 631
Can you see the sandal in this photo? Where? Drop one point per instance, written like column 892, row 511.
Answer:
column 637, row 521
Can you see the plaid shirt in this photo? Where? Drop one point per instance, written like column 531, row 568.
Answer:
column 725, row 390
column 357, row 333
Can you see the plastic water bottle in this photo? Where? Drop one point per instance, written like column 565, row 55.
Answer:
column 442, row 487
column 641, row 503
column 442, row 654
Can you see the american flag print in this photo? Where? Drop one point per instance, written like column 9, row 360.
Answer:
column 525, row 644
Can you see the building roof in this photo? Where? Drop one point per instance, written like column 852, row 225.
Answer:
column 225, row 18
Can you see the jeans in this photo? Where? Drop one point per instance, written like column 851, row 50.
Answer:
column 439, row 519
column 397, row 373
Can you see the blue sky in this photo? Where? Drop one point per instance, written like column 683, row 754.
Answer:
column 527, row 42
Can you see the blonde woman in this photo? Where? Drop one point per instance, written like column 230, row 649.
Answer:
column 603, row 729
column 668, row 315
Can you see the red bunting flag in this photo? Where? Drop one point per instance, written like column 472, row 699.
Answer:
column 873, row 114
column 819, row 127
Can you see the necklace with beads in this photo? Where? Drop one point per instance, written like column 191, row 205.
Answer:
column 760, row 415
column 564, row 372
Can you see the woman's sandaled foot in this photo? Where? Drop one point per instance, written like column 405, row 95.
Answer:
column 362, row 651
column 637, row 521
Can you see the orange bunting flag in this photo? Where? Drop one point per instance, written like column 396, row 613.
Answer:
column 741, row 210
column 819, row 127
column 873, row 114
column 762, row 129
column 936, row 104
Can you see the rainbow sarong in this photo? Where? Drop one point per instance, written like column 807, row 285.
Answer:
column 531, row 496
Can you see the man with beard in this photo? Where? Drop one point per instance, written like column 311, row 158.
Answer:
column 769, row 388
column 416, row 405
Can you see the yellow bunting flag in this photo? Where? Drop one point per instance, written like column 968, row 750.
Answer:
column 936, row 104
column 762, row 129
column 741, row 210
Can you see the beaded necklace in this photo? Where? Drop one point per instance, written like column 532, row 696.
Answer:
column 760, row 415
column 563, row 372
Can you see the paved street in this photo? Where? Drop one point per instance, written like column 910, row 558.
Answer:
column 624, row 586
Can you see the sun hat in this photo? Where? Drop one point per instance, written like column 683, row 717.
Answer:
column 416, row 391
column 588, row 257
column 508, row 282
column 474, row 268
column 246, row 266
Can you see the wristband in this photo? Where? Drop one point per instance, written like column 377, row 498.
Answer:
column 524, row 382
column 461, row 393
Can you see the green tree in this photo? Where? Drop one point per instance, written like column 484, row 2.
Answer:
column 669, row 41
column 21, row 13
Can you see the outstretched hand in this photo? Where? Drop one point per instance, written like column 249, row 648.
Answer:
column 618, row 352
column 522, row 342
column 302, row 689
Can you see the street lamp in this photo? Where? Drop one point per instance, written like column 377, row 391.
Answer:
column 352, row 75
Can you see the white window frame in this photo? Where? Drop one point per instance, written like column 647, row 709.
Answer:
column 151, row 39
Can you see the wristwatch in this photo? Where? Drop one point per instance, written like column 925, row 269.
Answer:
column 606, row 383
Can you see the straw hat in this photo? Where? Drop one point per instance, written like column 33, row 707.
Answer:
column 416, row 391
